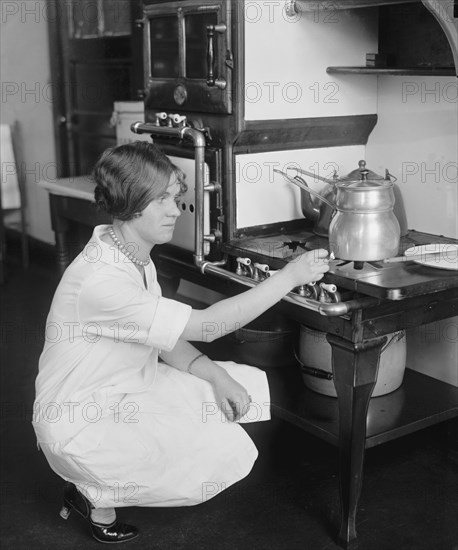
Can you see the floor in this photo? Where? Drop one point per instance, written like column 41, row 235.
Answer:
column 289, row 502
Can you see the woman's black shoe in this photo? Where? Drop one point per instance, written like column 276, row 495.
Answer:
column 115, row 532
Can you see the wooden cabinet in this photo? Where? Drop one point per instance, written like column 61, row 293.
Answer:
column 96, row 60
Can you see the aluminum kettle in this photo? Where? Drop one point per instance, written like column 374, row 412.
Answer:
column 315, row 207
column 399, row 207
column 364, row 227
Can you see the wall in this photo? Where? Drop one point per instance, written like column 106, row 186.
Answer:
column 264, row 196
column 301, row 48
column 416, row 138
column 432, row 350
column 26, row 99
column 285, row 77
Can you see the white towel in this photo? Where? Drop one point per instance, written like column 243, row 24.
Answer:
column 254, row 380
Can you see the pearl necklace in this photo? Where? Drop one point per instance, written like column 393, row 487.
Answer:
column 123, row 248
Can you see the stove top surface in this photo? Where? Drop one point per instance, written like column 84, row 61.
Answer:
column 393, row 281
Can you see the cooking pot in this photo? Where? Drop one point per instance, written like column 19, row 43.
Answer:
column 268, row 341
column 364, row 227
column 315, row 356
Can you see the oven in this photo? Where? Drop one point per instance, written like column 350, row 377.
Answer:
column 187, row 48
column 234, row 119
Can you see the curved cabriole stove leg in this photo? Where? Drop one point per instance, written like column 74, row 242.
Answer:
column 355, row 368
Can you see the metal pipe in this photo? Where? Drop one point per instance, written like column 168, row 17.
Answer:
column 331, row 309
column 198, row 139
column 156, row 131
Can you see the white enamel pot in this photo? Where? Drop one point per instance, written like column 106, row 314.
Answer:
column 316, row 357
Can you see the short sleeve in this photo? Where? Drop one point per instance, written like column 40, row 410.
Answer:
column 117, row 307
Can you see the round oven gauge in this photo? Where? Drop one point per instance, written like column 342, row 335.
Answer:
column 180, row 94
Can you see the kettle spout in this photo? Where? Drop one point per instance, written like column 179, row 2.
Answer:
column 309, row 206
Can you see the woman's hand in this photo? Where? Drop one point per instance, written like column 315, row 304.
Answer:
column 308, row 267
column 231, row 397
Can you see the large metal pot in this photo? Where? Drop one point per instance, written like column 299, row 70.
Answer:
column 268, row 341
column 315, row 356
column 364, row 227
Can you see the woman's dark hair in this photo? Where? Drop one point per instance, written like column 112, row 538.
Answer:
column 128, row 177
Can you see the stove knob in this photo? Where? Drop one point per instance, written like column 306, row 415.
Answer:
column 329, row 288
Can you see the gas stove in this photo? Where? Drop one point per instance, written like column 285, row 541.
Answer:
column 392, row 281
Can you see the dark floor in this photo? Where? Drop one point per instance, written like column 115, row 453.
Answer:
column 290, row 501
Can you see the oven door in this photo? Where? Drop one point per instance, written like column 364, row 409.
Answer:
column 187, row 53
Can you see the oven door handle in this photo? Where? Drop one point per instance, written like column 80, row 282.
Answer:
column 211, row 80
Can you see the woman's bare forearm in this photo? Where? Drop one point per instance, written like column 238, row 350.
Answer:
column 232, row 313
column 184, row 356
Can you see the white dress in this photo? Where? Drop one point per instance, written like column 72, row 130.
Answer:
column 123, row 426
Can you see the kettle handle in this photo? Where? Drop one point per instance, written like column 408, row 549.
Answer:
column 315, row 176
column 304, row 187
column 389, row 176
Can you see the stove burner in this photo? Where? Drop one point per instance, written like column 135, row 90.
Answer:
column 293, row 245
column 359, row 265
column 307, row 245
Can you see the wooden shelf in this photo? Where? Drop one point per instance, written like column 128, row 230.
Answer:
column 419, row 71
column 311, row 5
column 421, row 401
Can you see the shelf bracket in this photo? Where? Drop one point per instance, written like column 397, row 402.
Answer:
column 444, row 15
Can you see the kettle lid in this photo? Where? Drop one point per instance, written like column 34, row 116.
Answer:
column 360, row 172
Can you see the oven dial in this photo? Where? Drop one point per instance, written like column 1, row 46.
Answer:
column 180, row 94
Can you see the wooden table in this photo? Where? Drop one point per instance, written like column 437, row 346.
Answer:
column 72, row 202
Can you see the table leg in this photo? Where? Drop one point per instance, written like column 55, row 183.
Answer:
column 63, row 256
column 61, row 227
column 355, row 369
column 2, row 244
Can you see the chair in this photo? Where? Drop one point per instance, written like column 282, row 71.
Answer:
column 12, row 196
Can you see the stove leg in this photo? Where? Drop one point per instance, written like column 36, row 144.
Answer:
column 355, row 369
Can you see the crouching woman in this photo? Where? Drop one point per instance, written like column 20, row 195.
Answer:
column 128, row 412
